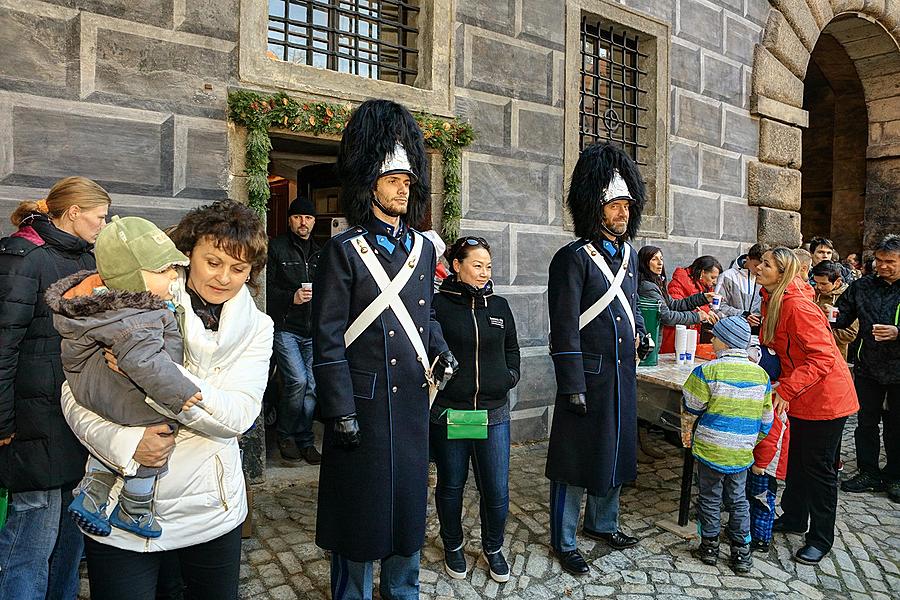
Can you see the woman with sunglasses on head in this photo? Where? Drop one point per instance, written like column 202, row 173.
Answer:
column 480, row 331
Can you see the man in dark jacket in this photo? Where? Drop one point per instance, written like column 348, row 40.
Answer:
column 40, row 458
column 875, row 301
column 374, row 339
column 293, row 257
column 595, row 329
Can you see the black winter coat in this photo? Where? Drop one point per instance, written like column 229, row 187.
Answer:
column 44, row 454
column 481, row 333
column 872, row 300
column 597, row 451
column 372, row 499
column 290, row 263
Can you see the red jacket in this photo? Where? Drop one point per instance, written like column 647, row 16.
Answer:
column 681, row 286
column 771, row 454
column 814, row 378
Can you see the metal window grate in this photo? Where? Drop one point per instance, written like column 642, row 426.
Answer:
column 372, row 38
column 612, row 97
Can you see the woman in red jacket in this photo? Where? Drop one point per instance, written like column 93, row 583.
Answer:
column 698, row 278
column 816, row 388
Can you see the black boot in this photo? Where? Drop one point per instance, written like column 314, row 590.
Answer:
column 708, row 552
column 741, row 560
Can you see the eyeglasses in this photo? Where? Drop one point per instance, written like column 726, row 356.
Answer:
column 477, row 241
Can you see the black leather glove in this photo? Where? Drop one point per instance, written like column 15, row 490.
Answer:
column 346, row 432
column 576, row 403
column 445, row 359
column 646, row 346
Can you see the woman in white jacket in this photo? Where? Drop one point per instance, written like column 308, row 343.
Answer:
column 200, row 501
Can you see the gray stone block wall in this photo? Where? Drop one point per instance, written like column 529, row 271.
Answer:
column 510, row 86
column 131, row 94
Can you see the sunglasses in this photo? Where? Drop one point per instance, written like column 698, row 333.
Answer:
column 477, row 241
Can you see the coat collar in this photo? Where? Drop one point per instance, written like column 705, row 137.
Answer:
column 55, row 237
column 461, row 292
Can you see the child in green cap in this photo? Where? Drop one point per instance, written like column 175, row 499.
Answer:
column 125, row 308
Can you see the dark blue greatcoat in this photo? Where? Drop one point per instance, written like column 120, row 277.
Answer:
column 372, row 499
column 597, row 451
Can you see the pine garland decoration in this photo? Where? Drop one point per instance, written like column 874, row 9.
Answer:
column 259, row 114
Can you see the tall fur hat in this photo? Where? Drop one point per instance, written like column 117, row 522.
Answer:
column 594, row 176
column 370, row 137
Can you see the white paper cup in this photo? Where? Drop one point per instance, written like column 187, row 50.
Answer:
column 833, row 314
column 306, row 285
column 716, row 301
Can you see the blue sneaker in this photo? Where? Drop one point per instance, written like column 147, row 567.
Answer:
column 88, row 507
column 135, row 516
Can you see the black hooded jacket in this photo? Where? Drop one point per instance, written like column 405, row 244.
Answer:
column 480, row 331
column 291, row 262
column 44, row 454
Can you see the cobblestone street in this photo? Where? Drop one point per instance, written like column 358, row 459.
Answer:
column 282, row 562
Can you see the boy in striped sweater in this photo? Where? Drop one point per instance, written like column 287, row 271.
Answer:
column 733, row 398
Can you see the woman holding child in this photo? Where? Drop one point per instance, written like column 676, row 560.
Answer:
column 816, row 389
column 200, row 502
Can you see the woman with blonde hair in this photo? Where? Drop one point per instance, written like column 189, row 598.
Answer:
column 40, row 458
column 816, row 390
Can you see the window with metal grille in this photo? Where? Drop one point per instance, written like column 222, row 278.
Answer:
column 371, row 38
column 613, row 101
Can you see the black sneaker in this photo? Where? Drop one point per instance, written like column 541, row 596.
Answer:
column 759, row 546
column 498, row 566
column 311, row 455
column 741, row 560
column 455, row 563
column 863, row 482
column 708, row 551
column 289, row 450
column 893, row 490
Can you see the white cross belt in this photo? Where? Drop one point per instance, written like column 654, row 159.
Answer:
column 614, row 291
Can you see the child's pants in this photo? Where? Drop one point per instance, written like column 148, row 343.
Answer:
column 718, row 489
column 761, row 491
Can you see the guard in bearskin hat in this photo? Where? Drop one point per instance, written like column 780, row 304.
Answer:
column 377, row 352
column 595, row 332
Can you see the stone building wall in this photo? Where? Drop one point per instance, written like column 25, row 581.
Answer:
column 131, row 94
column 509, row 84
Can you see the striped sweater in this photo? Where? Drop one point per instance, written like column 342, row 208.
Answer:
column 733, row 397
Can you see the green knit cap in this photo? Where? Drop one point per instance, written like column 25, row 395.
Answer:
column 129, row 245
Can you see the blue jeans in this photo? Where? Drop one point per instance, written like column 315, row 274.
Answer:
column 490, row 462
column 293, row 354
column 601, row 514
column 40, row 547
column 351, row 580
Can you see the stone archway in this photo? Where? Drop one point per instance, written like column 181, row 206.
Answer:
column 869, row 32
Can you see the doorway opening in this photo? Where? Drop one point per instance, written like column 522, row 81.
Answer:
column 834, row 148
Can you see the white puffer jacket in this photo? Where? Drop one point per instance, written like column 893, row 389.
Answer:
column 201, row 497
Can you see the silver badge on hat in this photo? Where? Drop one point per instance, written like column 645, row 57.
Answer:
column 617, row 189
column 397, row 162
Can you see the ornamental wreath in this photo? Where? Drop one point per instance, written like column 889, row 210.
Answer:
column 260, row 113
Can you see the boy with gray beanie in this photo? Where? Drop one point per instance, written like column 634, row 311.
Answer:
column 124, row 308
column 732, row 397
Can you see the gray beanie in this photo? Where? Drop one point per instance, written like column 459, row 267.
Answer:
column 733, row 332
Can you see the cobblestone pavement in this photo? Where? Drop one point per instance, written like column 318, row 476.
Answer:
column 282, row 562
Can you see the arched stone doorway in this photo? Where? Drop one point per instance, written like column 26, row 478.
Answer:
column 842, row 57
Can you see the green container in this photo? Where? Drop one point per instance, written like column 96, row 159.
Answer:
column 650, row 312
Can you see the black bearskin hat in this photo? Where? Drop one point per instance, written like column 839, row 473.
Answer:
column 373, row 131
column 592, row 175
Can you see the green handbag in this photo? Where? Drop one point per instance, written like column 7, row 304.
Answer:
column 466, row 424
column 4, row 505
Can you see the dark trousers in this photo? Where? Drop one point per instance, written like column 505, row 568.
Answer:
column 490, row 461
column 811, row 485
column 871, row 411
column 210, row 571
column 715, row 490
